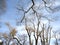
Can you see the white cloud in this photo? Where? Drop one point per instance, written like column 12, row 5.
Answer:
column 21, row 29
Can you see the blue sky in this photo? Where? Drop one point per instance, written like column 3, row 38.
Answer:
column 11, row 14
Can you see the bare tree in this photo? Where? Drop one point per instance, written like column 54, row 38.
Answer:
column 55, row 36
column 13, row 32
column 48, row 4
column 29, row 31
column 38, row 32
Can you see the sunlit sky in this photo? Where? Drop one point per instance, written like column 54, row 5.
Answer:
column 11, row 14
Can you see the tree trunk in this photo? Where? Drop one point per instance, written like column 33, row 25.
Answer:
column 30, row 40
column 9, row 41
column 1, row 43
column 36, row 42
column 46, row 42
column 42, row 42
column 56, row 42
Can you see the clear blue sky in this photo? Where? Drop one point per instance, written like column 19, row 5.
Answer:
column 9, row 15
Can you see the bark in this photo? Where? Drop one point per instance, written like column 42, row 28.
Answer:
column 36, row 43
column 42, row 42
column 30, row 40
